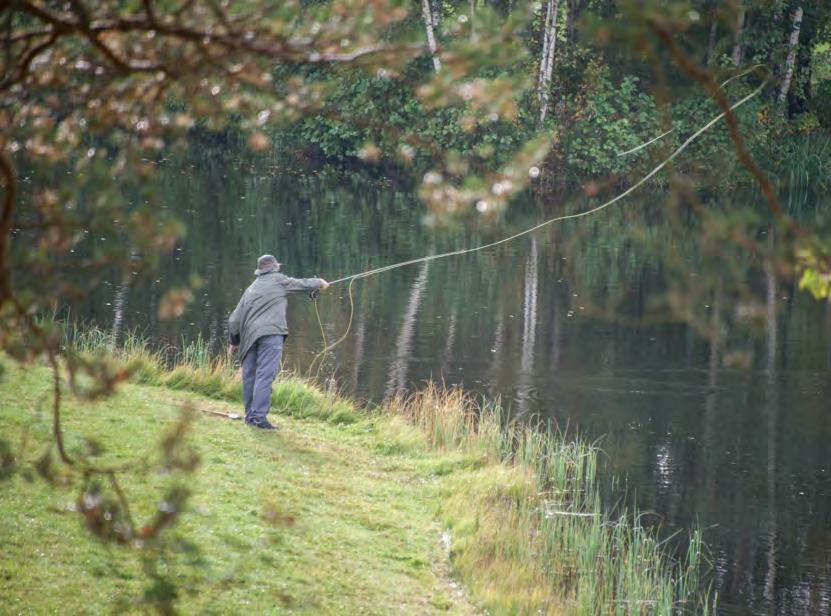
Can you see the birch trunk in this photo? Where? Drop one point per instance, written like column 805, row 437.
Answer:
column 791, row 59
column 547, row 59
column 572, row 10
column 544, row 55
column 738, row 49
column 711, row 43
column 119, row 306
column 427, row 15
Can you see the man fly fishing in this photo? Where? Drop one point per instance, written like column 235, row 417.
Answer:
column 257, row 327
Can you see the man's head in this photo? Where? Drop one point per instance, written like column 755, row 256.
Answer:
column 265, row 264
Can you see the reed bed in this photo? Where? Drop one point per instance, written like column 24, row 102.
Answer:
column 526, row 529
column 536, row 534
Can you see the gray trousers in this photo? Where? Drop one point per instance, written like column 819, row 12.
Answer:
column 259, row 368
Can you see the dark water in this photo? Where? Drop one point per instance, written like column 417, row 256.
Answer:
column 579, row 323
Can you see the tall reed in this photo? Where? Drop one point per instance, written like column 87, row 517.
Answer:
column 550, row 524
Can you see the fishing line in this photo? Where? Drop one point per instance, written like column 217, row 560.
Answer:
column 664, row 134
column 528, row 231
column 328, row 347
column 643, row 145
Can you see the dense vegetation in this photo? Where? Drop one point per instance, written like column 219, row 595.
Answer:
column 600, row 100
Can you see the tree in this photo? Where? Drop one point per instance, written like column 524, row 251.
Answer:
column 791, row 59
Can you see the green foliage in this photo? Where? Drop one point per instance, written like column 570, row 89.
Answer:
column 801, row 166
column 822, row 102
column 614, row 118
column 814, row 265
column 380, row 119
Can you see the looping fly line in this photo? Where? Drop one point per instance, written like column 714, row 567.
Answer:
column 528, row 231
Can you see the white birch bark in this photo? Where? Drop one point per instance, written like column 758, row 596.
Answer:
column 119, row 306
column 738, row 48
column 790, row 61
column 427, row 15
column 547, row 58
column 544, row 54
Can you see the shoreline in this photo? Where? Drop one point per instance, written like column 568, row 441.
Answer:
column 516, row 507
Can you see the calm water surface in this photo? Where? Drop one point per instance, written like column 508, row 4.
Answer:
column 728, row 432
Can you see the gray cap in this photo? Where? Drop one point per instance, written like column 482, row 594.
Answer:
column 265, row 264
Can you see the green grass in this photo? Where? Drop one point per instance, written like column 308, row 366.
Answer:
column 343, row 511
column 313, row 519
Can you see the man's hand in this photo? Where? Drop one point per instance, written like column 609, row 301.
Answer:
column 231, row 349
column 323, row 285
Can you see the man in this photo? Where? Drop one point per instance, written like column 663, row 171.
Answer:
column 258, row 328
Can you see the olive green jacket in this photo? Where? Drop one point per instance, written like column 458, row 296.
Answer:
column 261, row 310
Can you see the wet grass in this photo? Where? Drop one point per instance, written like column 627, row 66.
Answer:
column 518, row 505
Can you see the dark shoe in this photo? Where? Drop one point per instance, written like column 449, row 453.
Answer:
column 262, row 425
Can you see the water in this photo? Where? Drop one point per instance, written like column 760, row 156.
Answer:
column 579, row 324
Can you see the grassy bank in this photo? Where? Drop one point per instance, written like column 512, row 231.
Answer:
column 343, row 511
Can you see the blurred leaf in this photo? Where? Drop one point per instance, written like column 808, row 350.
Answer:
column 174, row 302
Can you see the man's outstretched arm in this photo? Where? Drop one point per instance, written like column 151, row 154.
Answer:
column 298, row 285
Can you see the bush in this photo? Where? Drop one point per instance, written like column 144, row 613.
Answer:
column 822, row 103
column 615, row 118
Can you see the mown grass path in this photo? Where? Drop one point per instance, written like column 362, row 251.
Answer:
column 315, row 518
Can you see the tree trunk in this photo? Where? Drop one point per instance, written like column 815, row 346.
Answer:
column 427, row 15
column 791, row 59
column 119, row 306
column 711, row 43
column 573, row 10
column 547, row 58
column 738, row 49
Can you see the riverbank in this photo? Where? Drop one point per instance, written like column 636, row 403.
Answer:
column 342, row 511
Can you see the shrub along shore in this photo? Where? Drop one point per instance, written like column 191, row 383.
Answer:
column 517, row 507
